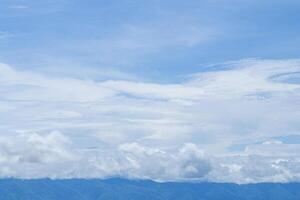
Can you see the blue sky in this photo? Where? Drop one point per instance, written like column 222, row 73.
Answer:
column 208, row 90
column 155, row 40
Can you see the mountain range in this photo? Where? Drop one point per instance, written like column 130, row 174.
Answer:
column 123, row 189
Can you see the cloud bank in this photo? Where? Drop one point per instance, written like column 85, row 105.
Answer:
column 216, row 126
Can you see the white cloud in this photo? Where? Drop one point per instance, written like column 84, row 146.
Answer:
column 256, row 168
column 54, row 155
column 188, row 163
column 132, row 124
column 31, row 155
column 26, row 86
column 36, row 156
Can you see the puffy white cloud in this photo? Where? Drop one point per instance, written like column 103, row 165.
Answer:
column 53, row 155
column 32, row 155
column 256, row 168
column 188, row 163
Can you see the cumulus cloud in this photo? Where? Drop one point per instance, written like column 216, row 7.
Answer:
column 42, row 155
column 32, row 155
column 188, row 163
column 121, row 127
column 256, row 168
column 54, row 155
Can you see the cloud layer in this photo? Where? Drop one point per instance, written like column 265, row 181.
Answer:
column 218, row 125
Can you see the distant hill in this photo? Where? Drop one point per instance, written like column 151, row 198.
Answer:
column 121, row 189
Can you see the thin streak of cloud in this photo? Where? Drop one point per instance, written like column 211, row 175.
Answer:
column 19, row 7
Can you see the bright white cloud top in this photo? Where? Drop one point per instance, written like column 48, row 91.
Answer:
column 235, row 124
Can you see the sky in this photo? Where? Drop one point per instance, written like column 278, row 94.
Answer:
column 207, row 90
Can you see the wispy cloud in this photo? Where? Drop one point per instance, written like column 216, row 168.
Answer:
column 21, row 7
column 132, row 41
